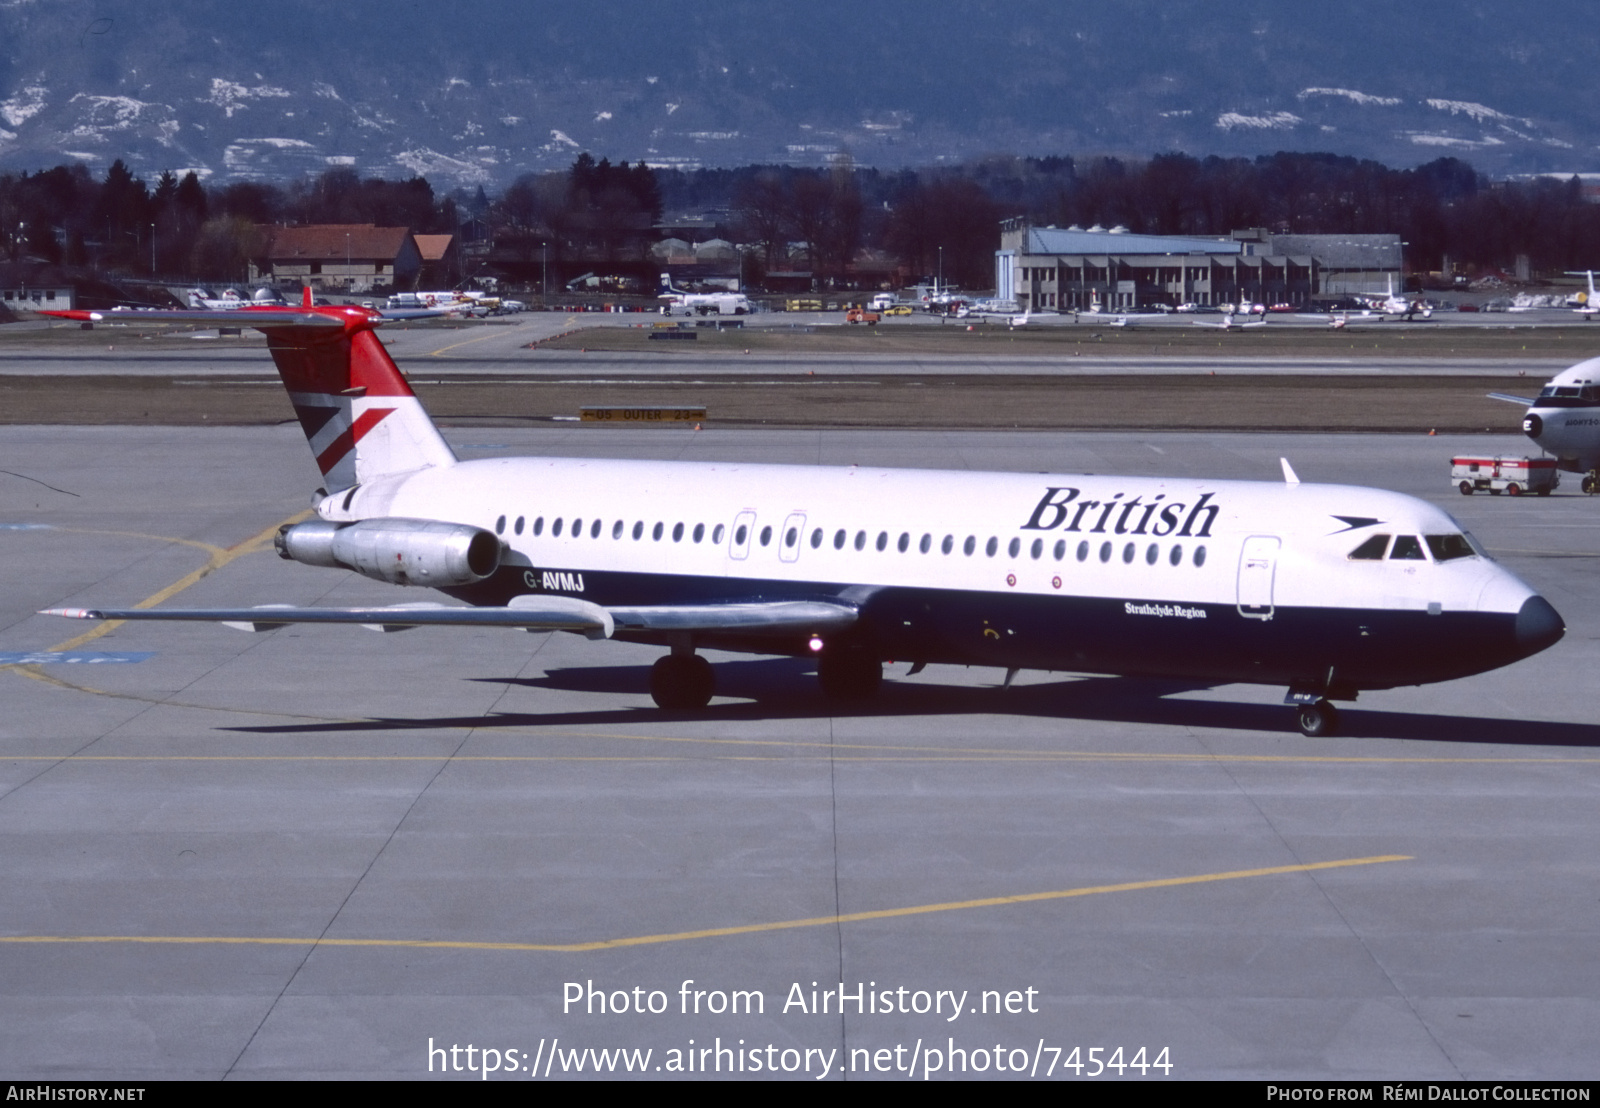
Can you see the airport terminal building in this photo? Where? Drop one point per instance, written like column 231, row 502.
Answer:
column 1072, row 269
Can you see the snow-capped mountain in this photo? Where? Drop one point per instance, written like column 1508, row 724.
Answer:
column 487, row 91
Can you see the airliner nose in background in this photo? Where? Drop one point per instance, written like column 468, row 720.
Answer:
column 1326, row 590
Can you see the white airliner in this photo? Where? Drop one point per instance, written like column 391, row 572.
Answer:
column 1326, row 590
column 701, row 303
column 1564, row 419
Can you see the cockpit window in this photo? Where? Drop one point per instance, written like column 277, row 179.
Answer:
column 1371, row 550
column 1407, row 548
column 1445, row 548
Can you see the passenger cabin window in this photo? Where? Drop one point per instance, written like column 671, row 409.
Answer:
column 1445, row 548
column 616, row 529
column 1407, row 548
column 594, row 529
column 517, row 526
column 555, row 527
column 1371, row 550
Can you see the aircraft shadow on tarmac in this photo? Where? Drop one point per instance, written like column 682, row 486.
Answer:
column 785, row 688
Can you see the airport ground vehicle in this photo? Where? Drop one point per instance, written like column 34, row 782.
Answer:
column 861, row 315
column 1502, row 473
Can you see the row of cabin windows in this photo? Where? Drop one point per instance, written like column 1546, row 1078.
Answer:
column 791, row 537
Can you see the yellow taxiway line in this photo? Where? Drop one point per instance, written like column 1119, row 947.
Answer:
column 716, row 932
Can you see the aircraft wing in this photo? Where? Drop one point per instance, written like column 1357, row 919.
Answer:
column 530, row 613
column 1526, row 402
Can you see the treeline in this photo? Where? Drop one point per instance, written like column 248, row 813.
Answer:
column 598, row 214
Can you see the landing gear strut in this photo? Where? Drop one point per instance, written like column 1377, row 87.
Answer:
column 849, row 672
column 1591, row 482
column 682, row 682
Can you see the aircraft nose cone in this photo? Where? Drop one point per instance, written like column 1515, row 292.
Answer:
column 1538, row 626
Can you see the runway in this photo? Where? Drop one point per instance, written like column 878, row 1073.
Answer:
column 321, row 852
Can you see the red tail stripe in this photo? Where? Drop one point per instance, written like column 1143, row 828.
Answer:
column 347, row 439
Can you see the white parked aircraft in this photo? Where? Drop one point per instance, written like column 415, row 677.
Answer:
column 1564, row 419
column 1586, row 303
column 1393, row 303
column 1326, row 590
column 1231, row 321
column 701, row 303
column 231, row 300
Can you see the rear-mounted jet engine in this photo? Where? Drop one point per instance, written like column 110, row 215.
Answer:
column 399, row 551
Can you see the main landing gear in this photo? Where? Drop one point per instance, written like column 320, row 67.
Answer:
column 682, row 681
column 1317, row 720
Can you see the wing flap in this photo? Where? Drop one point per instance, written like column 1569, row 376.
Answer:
column 777, row 617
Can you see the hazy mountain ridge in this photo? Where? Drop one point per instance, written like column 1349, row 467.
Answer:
column 486, row 93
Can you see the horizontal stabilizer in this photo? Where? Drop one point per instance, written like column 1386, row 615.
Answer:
column 1526, row 402
column 261, row 318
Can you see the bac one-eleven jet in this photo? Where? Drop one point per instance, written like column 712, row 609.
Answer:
column 1324, row 590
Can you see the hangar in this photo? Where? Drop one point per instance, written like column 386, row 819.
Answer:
column 1073, row 269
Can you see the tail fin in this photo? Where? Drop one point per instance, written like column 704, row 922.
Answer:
column 359, row 415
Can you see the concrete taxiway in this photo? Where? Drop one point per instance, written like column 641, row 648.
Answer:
column 321, row 852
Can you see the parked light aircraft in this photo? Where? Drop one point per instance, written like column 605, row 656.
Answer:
column 230, row 299
column 1327, row 590
column 701, row 303
column 1393, row 303
column 1564, row 419
column 1586, row 303
column 1231, row 322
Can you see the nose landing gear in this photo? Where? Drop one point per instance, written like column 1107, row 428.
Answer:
column 1591, row 482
